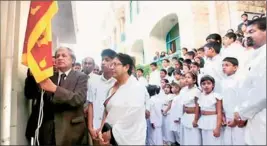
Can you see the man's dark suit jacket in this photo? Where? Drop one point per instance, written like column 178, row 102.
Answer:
column 67, row 127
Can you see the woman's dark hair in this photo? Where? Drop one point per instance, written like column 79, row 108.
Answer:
column 181, row 59
column 187, row 65
column 194, row 77
column 126, row 60
column 140, row 69
column 170, row 71
column 153, row 90
column 230, row 30
column 207, row 78
column 169, row 86
column 191, row 53
column 174, row 58
column 165, row 80
column 202, row 62
column 187, row 61
column 231, row 35
column 196, row 64
column 154, row 64
column 244, row 15
column 164, row 70
column 215, row 37
column 177, row 72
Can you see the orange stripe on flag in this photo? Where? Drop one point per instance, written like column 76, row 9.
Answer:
column 37, row 50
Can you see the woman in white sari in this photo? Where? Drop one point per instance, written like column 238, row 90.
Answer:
column 125, row 107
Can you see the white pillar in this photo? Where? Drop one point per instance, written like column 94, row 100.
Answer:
column 213, row 17
column 7, row 75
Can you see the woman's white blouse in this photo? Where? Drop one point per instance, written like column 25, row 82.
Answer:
column 126, row 113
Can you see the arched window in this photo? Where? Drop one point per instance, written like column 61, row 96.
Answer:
column 173, row 40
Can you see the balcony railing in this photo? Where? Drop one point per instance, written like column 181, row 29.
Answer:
column 158, row 61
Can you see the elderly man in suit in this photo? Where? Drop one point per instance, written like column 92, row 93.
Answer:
column 66, row 91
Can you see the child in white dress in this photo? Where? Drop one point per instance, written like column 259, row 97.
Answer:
column 209, row 109
column 156, row 120
column 191, row 135
column 177, row 109
column 168, row 136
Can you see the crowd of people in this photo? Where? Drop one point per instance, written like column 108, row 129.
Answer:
column 207, row 96
column 214, row 95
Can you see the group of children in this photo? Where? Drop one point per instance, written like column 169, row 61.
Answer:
column 197, row 107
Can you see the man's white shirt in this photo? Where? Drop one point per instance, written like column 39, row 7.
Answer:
column 253, row 107
column 98, row 88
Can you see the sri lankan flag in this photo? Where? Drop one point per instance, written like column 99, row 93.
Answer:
column 37, row 49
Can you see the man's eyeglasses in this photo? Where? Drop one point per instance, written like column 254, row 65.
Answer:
column 114, row 64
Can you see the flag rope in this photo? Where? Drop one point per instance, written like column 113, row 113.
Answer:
column 40, row 120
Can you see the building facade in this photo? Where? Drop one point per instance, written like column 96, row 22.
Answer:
column 170, row 25
column 14, row 107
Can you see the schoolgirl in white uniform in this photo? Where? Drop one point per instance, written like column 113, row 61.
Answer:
column 168, row 136
column 156, row 120
column 209, row 111
column 177, row 109
column 191, row 135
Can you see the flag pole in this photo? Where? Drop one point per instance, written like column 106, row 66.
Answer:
column 7, row 75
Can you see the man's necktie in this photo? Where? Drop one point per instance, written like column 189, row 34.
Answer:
column 62, row 77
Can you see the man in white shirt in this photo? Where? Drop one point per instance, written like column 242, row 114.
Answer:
column 97, row 93
column 154, row 78
column 253, row 108
column 88, row 65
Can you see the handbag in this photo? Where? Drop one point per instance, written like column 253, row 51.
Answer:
column 106, row 128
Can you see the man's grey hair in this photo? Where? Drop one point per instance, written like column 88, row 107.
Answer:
column 88, row 58
column 72, row 55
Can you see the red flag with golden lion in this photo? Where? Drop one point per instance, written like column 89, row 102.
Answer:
column 37, row 49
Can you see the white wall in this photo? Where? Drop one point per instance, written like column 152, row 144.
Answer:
column 19, row 106
column 151, row 14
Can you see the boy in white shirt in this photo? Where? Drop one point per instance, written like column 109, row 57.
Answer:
column 213, row 65
column 154, row 77
column 140, row 77
column 232, row 49
column 233, row 135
